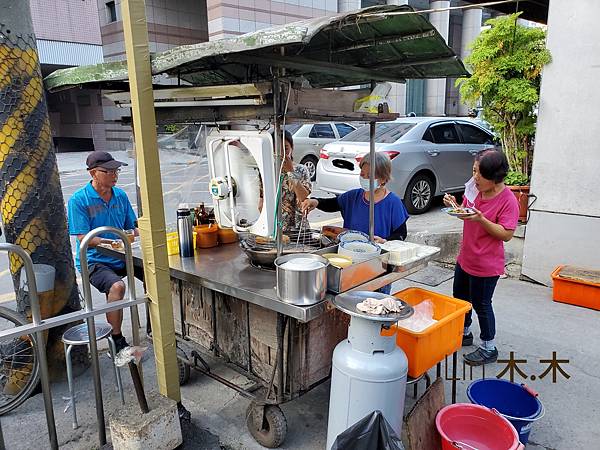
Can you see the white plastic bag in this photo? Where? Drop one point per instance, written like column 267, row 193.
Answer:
column 371, row 102
column 421, row 319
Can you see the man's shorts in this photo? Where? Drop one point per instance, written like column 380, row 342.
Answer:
column 103, row 277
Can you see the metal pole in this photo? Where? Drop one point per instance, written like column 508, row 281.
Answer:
column 139, row 387
column 372, row 175
column 91, row 326
column 39, row 339
column 281, row 324
column 279, row 150
column 87, row 296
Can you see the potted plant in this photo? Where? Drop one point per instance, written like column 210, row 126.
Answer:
column 518, row 182
column 506, row 61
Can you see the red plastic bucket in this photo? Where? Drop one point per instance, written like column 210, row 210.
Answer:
column 468, row 427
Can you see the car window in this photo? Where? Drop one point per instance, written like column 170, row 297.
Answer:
column 322, row 130
column 344, row 129
column 292, row 128
column 474, row 135
column 444, row 134
column 385, row 133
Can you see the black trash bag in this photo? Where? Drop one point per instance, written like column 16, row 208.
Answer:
column 371, row 433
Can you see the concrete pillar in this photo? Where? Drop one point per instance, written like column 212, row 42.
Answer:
column 565, row 219
column 398, row 93
column 348, row 5
column 470, row 30
column 435, row 92
column 31, row 199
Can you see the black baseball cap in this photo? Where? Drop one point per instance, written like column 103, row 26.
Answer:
column 104, row 160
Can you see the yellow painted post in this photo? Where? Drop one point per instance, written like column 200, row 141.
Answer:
column 152, row 223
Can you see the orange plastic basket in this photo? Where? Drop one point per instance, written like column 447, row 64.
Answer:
column 430, row 346
column 575, row 292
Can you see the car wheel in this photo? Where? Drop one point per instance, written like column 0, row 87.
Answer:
column 419, row 194
column 310, row 162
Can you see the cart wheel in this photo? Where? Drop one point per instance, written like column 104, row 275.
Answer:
column 273, row 429
column 184, row 369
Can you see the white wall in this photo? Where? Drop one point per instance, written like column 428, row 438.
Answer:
column 564, row 226
column 471, row 28
column 435, row 93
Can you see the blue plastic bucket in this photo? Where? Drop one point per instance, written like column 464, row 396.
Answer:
column 518, row 403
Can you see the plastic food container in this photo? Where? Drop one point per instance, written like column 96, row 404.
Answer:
column 359, row 251
column 207, row 236
column 427, row 348
column 227, row 236
column 172, row 244
column 338, row 260
column 575, row 292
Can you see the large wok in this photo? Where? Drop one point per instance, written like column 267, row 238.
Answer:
column 263, row 252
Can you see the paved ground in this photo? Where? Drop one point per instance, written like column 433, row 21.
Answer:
column 529, row 324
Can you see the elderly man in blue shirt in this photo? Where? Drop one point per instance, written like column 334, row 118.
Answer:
column 101, row 203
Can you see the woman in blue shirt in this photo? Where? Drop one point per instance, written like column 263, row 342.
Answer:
column 390, row 214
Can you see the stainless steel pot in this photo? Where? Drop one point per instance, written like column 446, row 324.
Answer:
column 301, row 287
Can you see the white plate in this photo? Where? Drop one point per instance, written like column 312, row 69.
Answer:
column 450, row 211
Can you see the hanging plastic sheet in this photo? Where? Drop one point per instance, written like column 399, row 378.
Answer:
column 184, row 169
column 371, row 433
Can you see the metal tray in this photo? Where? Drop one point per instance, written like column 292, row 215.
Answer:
column 347, row 302
column 342, row 280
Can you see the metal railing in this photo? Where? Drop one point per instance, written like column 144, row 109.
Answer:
column 39, row 325
column 38, row 335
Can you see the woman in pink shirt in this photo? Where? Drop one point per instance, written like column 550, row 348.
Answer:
column 481, row 259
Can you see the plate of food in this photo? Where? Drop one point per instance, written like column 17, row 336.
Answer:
column 460, row 211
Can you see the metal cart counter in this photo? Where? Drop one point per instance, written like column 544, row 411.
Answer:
column 226, row 308
column 230, row 309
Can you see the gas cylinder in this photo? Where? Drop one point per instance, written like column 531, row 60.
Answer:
column 368, row 370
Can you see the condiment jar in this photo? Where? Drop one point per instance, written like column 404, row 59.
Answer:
column 207, row 236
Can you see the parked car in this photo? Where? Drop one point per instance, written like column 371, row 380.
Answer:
column 310, row 138
column 430, row 156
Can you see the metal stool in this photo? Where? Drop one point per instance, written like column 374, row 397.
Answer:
column 78, row 335
column 415, row 381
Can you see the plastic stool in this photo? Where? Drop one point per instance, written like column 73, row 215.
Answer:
column 78, row 335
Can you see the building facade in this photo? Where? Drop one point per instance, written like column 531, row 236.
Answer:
column 68, row 34
column 170, row 23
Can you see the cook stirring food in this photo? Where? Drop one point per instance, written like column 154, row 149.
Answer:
column 481, row 258
column 296, row 187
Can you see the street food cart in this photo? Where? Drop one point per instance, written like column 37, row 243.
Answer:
column 223, row 305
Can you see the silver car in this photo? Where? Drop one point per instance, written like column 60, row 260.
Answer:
column 430, row 156
column 310, row 138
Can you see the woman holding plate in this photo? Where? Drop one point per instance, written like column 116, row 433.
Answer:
column 491, row 220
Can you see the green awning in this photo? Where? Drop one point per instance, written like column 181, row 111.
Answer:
column 381, row 43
